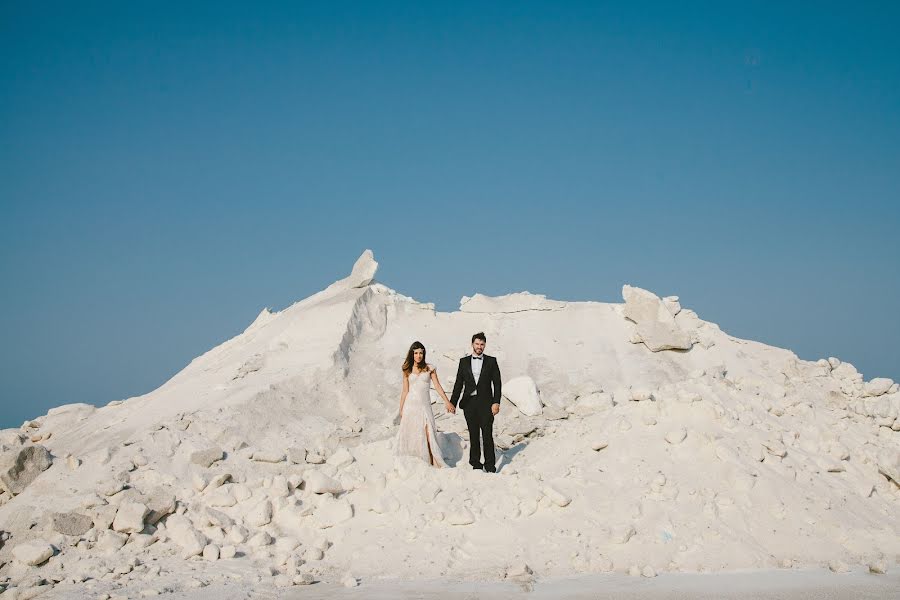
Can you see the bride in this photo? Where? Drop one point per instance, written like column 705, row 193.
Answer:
column 417, row 436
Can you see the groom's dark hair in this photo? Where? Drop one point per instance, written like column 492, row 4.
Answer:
column 479, row 336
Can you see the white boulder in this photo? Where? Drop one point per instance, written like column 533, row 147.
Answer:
column 878, row 386
column 33, row 553
column 20, row 466
column 260, row 515
column 655, row 323
column 130, row 517
column 318, row 482
column 523, row 393
column 183, row 533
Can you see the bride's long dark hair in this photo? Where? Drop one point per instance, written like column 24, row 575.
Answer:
column 410, row 361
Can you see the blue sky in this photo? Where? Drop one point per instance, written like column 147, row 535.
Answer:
column 167, row 171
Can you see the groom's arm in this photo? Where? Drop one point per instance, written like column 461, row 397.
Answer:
column 495, row 379
column 457, row 385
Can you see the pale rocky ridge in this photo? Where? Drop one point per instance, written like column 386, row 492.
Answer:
column 635, row 438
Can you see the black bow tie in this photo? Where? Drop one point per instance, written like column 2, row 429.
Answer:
column 476, row 358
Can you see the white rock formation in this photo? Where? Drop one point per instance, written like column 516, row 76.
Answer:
column 731, row 456
column 655, row 324
column 511, row 303
column 878, row 386
column 523, row 393
column 33, row 553
column 20, row 466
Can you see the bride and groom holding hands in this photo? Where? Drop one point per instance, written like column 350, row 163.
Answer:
column 476, row 391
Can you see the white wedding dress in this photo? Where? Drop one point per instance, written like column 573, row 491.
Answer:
column 417, row 435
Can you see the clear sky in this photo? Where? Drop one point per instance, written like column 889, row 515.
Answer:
column 168, row 169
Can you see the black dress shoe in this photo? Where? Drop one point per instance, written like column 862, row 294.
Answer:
column 490, row 470
column 478, row 467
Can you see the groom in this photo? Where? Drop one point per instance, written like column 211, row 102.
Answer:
column 476, row 376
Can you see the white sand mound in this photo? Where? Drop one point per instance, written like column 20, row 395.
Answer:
column 269, row 460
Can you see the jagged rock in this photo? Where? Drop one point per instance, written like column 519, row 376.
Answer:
column 103, row 516
column 130, row 517
column 349, row 581
column 648, row 571
column 297, row 455
column 219, row 519
column 71, row 523
column 672, row 304
column 206, row 458
column 655, row 324
column 19, row 467
column 110, row 542
column 160, row 502
column 314, row 458
column 878, row 386
column 33, row 553
column 217, row 481
column 523, row 394
column 259, row 515
column 183, row 533
column 363, row 274
column 227, row 552
column 320, row 483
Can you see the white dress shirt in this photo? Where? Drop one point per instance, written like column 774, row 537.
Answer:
column 477, row 363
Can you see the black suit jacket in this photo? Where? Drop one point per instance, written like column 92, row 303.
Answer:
column 487, row 388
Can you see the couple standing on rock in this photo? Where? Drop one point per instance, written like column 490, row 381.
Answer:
column 476, row 390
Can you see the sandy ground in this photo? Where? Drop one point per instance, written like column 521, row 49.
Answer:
column 742, row 585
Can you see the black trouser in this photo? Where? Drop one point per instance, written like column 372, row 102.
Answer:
column 481, row 424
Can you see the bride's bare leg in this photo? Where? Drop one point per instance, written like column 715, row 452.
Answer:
column 430, row 453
